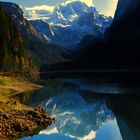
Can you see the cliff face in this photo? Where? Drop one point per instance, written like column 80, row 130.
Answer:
column 120, row 47
column 124, row 34
column 125, row 26
column 23, row 26
column 124, row 8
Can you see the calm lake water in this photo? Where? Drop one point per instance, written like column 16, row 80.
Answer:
column 88, row 110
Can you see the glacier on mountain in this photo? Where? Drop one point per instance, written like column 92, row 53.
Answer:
column 67, row 23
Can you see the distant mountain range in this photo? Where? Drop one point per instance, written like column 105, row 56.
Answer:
column 68, row 23
column 76, row 26
column 119, row 46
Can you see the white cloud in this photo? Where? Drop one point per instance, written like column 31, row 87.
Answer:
column 111, row 7
column 38, row 12
column 43, row 7
column 90, row 136
column 106, row 7
column 88, row 2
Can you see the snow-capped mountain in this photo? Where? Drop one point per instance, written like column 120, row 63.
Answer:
column 68, row 12
column 69, row 22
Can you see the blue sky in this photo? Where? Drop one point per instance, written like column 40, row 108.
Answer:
column 105, row 6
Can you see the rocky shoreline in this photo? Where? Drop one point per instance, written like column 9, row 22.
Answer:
column 26, row 121
column 16, row 119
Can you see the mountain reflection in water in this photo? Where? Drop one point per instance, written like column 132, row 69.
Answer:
column 83, row 113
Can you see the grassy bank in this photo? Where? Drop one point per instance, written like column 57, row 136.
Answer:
column 13, row 115
column 10, row 85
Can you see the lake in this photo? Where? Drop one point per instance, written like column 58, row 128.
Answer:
column 87, row 109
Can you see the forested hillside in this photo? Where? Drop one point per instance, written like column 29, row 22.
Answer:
column 13, row 57
column 22, row 48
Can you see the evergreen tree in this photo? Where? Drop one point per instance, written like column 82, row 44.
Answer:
column 13, row 56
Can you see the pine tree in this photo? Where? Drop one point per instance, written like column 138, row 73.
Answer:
column 13, row 57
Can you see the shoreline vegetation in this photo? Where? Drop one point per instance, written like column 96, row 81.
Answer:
column 16, row 119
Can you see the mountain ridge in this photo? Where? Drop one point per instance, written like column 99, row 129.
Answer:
column 119, row 47
column 38, row 49
column 73, row 21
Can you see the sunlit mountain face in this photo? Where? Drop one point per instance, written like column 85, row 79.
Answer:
column 72, row 20
column 106, row 7
column 68, row 8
